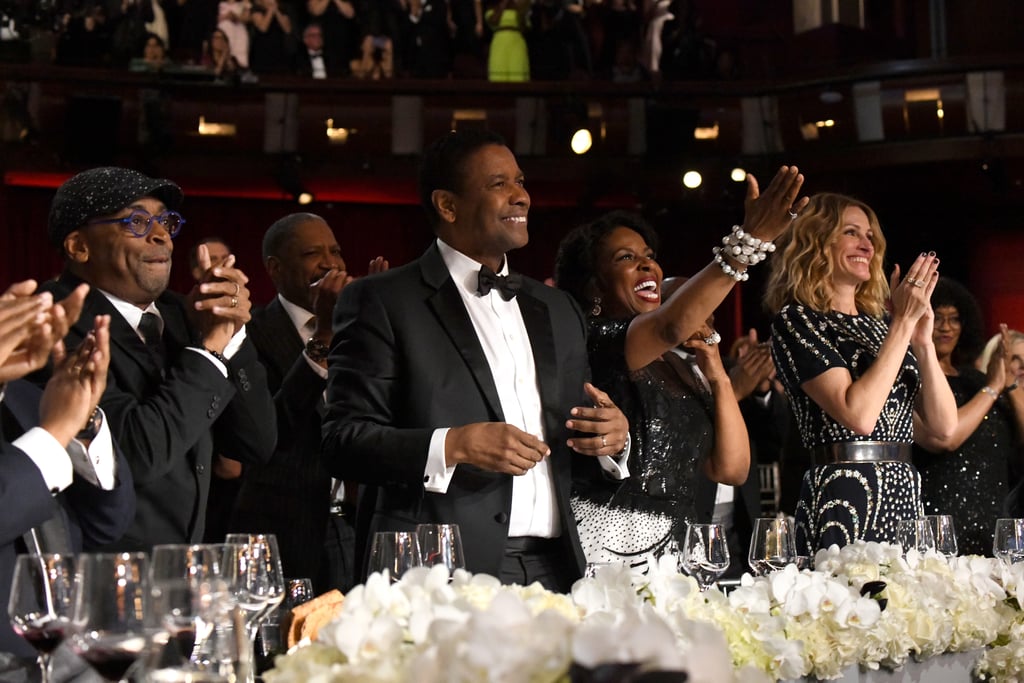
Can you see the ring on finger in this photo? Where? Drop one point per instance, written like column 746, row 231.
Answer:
column 793, row 215
column 234, row 302
column 713, row 338
column 604, row 440
column 237, row 289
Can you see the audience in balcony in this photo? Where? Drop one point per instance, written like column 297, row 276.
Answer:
column 233, row 19
column 508, row 59
column 502, row 40
column 218, row 58
column 153, row 57
column 272, row 42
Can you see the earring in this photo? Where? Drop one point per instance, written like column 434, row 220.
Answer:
column 595, row 310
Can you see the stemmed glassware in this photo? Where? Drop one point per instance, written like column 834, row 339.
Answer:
column 916, row 534
column 705, row 553
column 111, row 612
column 441, row 544
column 395, row 552
column 772, row 545
column 260, row 584
column 944, row 532
column 41, row 603
column 1008, row 540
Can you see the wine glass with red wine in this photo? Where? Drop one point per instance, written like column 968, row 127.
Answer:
column 111, row 612
column 41, row 603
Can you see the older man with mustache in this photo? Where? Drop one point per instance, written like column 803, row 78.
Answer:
column 184, row 381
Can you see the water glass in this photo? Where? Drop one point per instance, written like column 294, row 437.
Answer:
column 705, row 553
column 441, row 544
column 944, row 532
column 772, row 545
column 395, row 552
column 1008, row 540
column 915, row 534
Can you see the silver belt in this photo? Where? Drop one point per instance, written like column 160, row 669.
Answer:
column 862, row 451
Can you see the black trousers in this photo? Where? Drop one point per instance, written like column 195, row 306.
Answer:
column 528, row 559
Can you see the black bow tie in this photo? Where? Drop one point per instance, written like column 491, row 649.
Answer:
column 507, row 285
column 314, row 55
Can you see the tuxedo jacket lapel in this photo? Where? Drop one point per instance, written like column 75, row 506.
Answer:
column 542, row 340
column 446, row 303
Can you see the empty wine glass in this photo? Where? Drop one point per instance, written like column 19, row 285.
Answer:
column 42, row 602
column 944, row 532
column 1008, row 540
column 394, row 552
column 261, row 583
column 441, row 544
column 111, row 612
column 916, row 534
column 269, row 640
column 772, row 545
column 705, row 553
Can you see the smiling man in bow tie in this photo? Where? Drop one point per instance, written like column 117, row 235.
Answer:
column 460, row 395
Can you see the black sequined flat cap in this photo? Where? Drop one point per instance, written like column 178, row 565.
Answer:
column 103, row 191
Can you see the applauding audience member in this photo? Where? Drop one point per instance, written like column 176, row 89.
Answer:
column 184, row 380
column 293, row 496
column 862, row 382
column 63, row 487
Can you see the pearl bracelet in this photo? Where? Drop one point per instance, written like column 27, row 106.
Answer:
column 745, row 248
column 991, row 392
column 737, row 275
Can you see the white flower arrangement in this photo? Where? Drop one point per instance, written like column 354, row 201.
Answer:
column 864, row 604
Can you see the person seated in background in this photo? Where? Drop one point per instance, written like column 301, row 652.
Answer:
column 272, row 44
column 218, row 59
column 154, row 55
column 679, row 425
column 967, row 475
column 63, row 485
column 313, row 59
column 381, row 21
column 185, row 382
column 217, row 250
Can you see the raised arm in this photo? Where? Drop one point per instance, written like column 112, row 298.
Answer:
column 767, row 215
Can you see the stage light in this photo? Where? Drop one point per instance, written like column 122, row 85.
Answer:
column 581, row 141
column 304, row 198
column 692, row 180
column 738, row 174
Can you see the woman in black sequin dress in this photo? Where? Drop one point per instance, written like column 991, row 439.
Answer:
column 860, row 382
column 677, row 424
column 967, row 476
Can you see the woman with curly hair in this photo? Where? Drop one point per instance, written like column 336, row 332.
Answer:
column 861, row 381
column 683, row 414
column 967, row 475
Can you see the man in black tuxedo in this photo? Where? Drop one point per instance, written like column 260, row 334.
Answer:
column 294, row 496
column 315, row 60
column 460, row 399
column 63, row 485
column 184, row 381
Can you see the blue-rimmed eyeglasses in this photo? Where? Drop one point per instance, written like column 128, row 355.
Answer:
column 140, row 223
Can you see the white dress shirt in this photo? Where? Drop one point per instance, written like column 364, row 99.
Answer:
column 506, row 344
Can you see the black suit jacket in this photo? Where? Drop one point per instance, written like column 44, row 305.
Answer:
column 93, row 517
column 405, row 361
column 289, row 496
column 334, row 64
column 168, row 420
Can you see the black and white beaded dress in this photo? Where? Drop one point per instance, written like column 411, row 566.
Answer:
column 971, row 483
column 843, row 502
column 671, row 431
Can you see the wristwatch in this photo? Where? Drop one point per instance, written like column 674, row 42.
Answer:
column 316, row 350
column 92, row 426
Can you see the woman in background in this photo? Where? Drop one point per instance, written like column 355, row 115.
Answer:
column 508, row 58
column 967, row 475
column 859, row 380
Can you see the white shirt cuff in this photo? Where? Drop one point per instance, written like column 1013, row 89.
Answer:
column 230, row 350
column 96, row 464
column 617, row 466
column 49, row 456
column 317, row 368
column 437, row 475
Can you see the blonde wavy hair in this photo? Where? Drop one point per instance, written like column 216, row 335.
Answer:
column 802, row 266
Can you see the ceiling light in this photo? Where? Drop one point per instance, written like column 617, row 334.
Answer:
column 692, row 180
column 738, row 174
column 581, row 141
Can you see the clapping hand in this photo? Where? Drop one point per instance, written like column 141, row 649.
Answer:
column 220, row 304
column 77, row 384
column 767, row 214
column 911, row 298
column 31, row 324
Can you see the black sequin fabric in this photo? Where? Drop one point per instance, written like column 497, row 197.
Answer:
column 671, row 429
column 844, row 502
column 971, row 483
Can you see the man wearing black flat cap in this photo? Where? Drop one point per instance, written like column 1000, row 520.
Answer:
column 184, row 382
